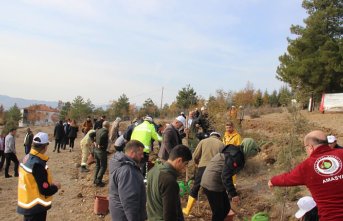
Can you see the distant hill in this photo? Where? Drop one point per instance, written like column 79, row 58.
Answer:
column 8, row 102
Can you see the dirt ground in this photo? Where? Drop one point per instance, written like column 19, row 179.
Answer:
column 75, row 200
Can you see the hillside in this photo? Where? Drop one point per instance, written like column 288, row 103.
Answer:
column 8, row 102
column 75, row 200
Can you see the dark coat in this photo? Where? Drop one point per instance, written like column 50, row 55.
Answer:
column 28, row 141
column 127, row 195
column 171, row 138
column 59, row 131
column 203, row 122
column 129, row 130
column 98, row 124
column 73, row 132
column 102, row 138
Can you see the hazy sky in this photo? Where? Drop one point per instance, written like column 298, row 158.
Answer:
column 99, row 49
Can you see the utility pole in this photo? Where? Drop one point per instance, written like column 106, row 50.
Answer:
column 162, row 98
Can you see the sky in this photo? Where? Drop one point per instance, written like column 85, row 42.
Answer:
column 99, row 49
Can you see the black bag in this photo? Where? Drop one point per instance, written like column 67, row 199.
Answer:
column 234, row 157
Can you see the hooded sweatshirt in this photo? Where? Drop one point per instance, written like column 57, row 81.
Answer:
column 222, row 167
column 232, row 138
column 127, row 196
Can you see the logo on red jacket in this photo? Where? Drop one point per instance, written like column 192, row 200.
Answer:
column 328, row 165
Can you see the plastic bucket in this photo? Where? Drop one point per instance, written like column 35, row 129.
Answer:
column 101, row 205
column 261, row 216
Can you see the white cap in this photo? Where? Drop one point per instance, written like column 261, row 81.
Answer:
column 181, row 119
column 148, row 118
column 331, row 138
column 305, row 204
column 203, row 108
column 41, row 138
column 215, row 133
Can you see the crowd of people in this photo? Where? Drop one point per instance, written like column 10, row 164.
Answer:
column 65, row 134
column 142, row 189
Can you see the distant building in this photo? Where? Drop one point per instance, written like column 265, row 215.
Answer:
column 331, row 103
column 39, row 114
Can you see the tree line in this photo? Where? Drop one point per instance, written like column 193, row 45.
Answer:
column 186, row 99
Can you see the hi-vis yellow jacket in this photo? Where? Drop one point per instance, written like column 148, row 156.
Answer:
column 144, row 132
column 30, row 200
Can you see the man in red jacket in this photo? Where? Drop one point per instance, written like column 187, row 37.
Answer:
column 321, row 173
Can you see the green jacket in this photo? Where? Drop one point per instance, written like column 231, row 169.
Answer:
column 102, row 138
column 163, row 199
column 144, row 132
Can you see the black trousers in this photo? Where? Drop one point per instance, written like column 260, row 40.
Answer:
column 219, row 203
column 2, row 159
column 58, row 144
column 65, row 142
column 71, row 141
column 144, row 164
column 11, row 157
column 197, row 180
column 36, row 217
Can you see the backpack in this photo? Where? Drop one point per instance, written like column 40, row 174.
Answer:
column 234, row 157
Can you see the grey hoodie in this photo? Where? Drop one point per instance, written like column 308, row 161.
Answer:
column 127, row 196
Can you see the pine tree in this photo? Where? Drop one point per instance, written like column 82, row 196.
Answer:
column 285, row 96
column 12, row 118
column 120, row 107
column 149, row 107
column 258, row 98
column 314, row 61
column 186, row 98
column 64, row 114
column 274, row 99
column 265, row 97
column 80, row 108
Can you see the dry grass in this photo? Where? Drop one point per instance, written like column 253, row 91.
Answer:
column 290, row 155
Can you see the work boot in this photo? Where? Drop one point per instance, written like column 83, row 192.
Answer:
column 84, row 169
column 100, row 184
column 186, row 211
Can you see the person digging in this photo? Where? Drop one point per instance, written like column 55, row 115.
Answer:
column 203, row 153
column 217, row 178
